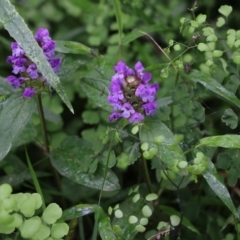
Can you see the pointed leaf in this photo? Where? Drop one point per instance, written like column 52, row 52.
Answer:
column 213, row 85
column 225, row 141
column 13, row 118
column 72, row 47
column 5, row 87
column 78, row 211
column 118, row 13
column 213, row 180
column 18, row 29
column 75, row 160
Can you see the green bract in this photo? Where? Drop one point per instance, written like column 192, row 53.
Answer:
column 151, row 197
column 175, row 220
column 132, row 219
column 146, row 211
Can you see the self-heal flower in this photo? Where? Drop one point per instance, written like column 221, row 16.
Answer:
column 26, row 73
column 131, row 96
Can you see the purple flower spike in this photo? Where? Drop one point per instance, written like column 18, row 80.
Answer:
column 29, row 92
column 130, row 94
column 27, row 74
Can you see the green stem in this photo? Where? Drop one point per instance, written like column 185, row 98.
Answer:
column 43, row 122
column 146, row 174
column 47, row 149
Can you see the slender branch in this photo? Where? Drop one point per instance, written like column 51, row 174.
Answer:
column 146, row 175
column 43, row 122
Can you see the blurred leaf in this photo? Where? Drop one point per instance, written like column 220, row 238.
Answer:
column 15, row 178
column 232, row 176
column 18, row 29
column 136, row 33
column 213, row 85
column 223, row 161
column 78, row 211
column 225, row 141
column 164, row 101
column 155, row 67
column 72, row 47
column 167, row 152
column 232, row 84
column 13, row 118
column 112, row 159
column 230, row 118
column 75, row 160
column 118, row 13
column 90, row 117
column 198, row 112
column 104, row 225
column 212, row 178
column 97, row 90
column 185, row 222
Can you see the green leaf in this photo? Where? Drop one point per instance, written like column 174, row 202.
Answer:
column 78, row 211
column 118, row 13
column 220, row 22
column 76, row 160
column 213, row 180
column 13, row 118
column 223, row 161
column 18, row 29
column 104, row 225
column 185, row 222
column 225, row 141
column 168, row 152
column 225, row 10
column 202, row 47
column 213, row 85
column 230, row 118
column 97, row 90
column 201, row 18
column 72, row 47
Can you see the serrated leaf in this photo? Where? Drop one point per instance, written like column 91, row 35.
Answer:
column 13, row 118
column 72, row 47
column 75, row 160
column 104, row 225
column 230, row 118
column 78, row 211
column 225, row 141
column 151, row 128
column 212, row 178
column 213, row 85
column 18, row 29
column 185, row 222
column 69, row 65
column 97, row 90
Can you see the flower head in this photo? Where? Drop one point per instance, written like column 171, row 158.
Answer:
column 131, row 96
column 26, row 73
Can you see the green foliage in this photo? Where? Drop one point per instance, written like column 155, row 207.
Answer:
column 174, row 175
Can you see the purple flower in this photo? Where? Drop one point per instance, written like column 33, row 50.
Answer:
column 29, row 92
column 27, row 74
column 131, row 96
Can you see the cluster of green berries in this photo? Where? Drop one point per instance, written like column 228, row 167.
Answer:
column 17, row 213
